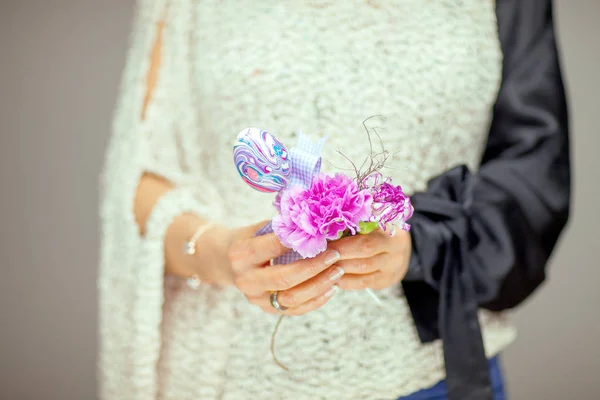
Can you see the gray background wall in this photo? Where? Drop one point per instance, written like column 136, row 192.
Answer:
column 60, row 63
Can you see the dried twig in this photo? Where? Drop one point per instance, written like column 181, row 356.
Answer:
column 273, row 343
column 375, row 161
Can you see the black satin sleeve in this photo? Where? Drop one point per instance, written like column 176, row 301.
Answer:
column 483, row 239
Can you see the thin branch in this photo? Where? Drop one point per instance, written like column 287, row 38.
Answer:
column 273, row 344
column 375, row 161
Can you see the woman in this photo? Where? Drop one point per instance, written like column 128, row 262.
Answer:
column 476, row 115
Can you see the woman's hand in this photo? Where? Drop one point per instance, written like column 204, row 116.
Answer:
column 375, row 261
column 302, row 286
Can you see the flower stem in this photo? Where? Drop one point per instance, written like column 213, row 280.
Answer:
column 273, row 343
column 374, row 296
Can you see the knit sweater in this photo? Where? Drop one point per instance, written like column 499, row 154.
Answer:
column 431, row 69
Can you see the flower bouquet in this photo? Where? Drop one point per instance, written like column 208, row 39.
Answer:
column 315, row 208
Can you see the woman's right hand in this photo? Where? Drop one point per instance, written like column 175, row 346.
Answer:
column 302, row 286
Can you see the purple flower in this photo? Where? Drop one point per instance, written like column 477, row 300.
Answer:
column 390, row 204
column 307, row 218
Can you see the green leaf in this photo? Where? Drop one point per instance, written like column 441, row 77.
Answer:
column 367, row 227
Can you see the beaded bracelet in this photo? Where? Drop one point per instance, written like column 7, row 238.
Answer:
column 190, row 249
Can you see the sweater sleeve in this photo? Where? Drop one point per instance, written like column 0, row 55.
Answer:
column 132, row 267
column 483, row 239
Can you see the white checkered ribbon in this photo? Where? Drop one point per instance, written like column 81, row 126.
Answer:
column 305, row 160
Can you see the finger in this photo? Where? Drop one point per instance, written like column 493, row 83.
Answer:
column 269, row 309
column 265, row 304
column 311, row 288
column 374, row 280
column 313, row 304
column 283, row 277
column 256, row 251
column 361, row 246
column 364, row 265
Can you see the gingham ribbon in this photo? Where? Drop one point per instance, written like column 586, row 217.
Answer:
column 305, row 160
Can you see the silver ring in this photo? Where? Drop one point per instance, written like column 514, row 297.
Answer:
column 275, row 303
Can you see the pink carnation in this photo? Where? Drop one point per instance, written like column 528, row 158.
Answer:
column 390, row 204
column 307, row 218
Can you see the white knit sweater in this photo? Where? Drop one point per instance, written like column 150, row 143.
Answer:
column 432, row 68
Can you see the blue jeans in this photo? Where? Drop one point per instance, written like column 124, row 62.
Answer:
column 438, row 392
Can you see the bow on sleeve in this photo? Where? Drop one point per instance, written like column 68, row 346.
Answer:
column 483, row 240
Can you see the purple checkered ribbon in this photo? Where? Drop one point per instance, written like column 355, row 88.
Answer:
column 305, row 160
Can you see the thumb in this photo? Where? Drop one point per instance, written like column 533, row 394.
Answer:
column 249, row 231
column 258, row 226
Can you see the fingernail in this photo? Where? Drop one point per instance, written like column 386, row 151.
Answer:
column 336, row 274
column 331, row 257
column 332, row 290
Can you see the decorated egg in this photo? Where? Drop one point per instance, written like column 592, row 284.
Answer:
column 261, row 160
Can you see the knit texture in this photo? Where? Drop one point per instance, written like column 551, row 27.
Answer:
column 431, row 68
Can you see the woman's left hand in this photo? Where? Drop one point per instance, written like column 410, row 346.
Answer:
column 376, row 260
